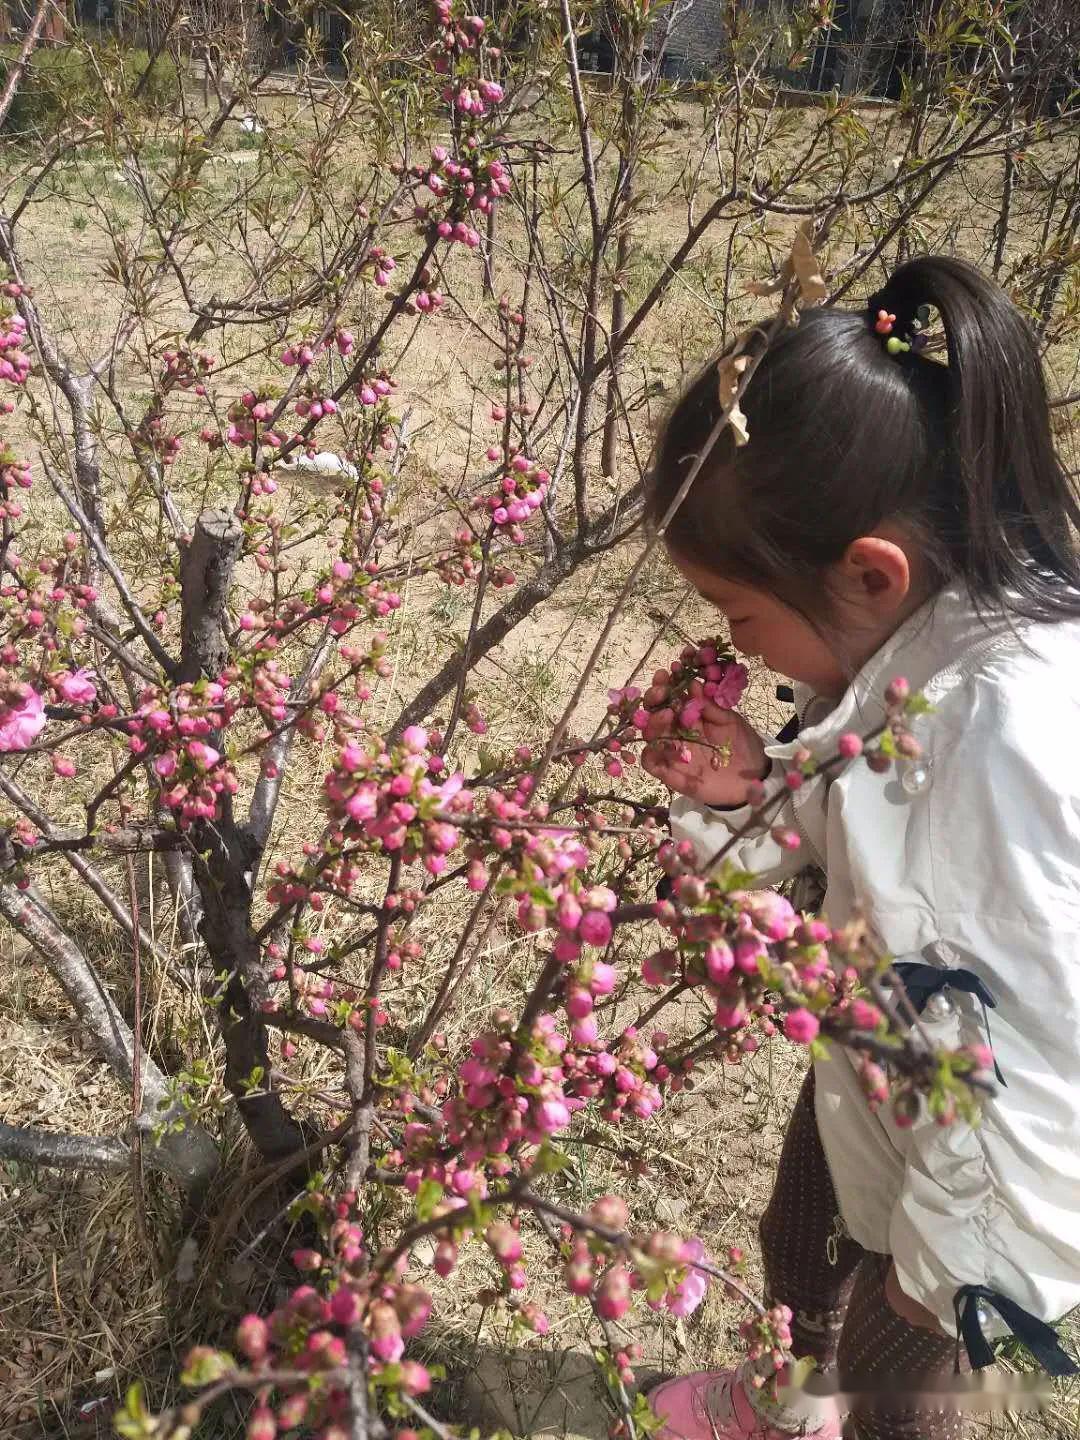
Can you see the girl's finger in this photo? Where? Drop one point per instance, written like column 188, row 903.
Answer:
column 717, row 715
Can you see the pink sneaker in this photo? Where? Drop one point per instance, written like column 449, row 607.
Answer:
column 712, row 1405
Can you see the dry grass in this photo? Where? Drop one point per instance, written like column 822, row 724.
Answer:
column 86, row 1305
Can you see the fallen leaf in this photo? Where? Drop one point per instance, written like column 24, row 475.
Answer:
column 729, row 370
column 773, row 286
column 807, row 266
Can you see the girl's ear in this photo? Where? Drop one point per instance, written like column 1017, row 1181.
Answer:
column 875, row 573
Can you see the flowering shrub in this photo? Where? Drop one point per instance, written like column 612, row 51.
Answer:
column 178, row 683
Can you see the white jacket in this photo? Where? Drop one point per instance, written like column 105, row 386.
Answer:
column 980, row 870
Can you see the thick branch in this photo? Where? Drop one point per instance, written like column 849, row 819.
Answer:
column 32, row 1146
column 223, row 868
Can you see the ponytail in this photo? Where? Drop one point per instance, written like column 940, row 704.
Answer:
column 846, row 435
column 1019, row 514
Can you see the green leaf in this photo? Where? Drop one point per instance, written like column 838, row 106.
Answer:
column 134, row 1421
column 800, row 1372
column 918, row 704
column 398, row 1071
column 428, row 1196
column 550, row 1160
column 205, row 1366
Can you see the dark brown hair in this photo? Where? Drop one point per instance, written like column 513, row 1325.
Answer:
column 845, row 436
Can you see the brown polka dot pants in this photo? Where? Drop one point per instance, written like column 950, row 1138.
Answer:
column 836, row 1291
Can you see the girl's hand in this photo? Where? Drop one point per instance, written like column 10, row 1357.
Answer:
column 722, row 767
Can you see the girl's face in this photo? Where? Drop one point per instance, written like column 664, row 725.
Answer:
column 763, row 626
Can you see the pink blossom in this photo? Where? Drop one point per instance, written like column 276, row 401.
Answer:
column 504, row 1242
column 550, row 1115
column 78, row 688
column 730, row 684
column 22, row 720
column 205, row 756
column 691, row 713
column 345, row 1306
column 773, row 915
column 610, row 1211
column 415, row 739
column 660, row 968
column 413, row 1306
column 801, row 1026
column 446, row 1253
column 729, row 1017
column 252, row 1337
column 602, row 978
column 864, row 1015
column 595, row 928
column 613, row 1293
column 385, row 1339
column 690, row 1290
column 415, row 1378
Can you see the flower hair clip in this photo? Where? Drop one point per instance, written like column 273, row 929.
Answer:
column 885, row 324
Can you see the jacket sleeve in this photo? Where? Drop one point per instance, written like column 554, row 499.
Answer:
column 757, row 853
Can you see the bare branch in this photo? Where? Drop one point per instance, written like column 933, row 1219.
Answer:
column 16, row 72
column 189, row 1155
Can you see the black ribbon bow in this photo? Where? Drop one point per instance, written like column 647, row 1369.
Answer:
column 1041, row 1339
column 920, row 981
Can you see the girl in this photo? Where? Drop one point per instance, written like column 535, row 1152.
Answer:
column 893, row 515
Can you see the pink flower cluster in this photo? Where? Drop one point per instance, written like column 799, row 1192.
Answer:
column 767, row 1335
column 460, row 39
column 369, row 390
column 45, row 617
column 181, row 369
column 22, row 717
column 477, row 181
column 14, row 475
column 663, row 1265
column 521, row 491
column 186, row 369
column 307, row 1334
column 175, row 728
column 738, row 947
column 245, row 416
column 382, row 265
column 388, row 801
column 14, row 361
column 315, row 406
column 674, row 702
column 153, row 435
